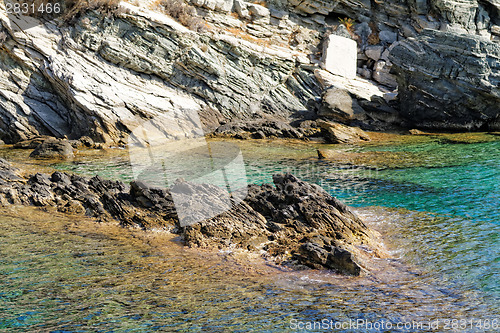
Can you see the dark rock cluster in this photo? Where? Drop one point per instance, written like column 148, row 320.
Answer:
column 294, row 222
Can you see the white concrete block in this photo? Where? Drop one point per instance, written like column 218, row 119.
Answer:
column 340, row 55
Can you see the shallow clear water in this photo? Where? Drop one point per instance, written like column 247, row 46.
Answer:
column 443, row 232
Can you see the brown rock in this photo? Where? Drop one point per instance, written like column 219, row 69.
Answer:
column 338, row 133
column 53, row 148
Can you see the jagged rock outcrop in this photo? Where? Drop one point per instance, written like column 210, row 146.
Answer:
column 294, row 222
column 103, row 75
column 449, row 81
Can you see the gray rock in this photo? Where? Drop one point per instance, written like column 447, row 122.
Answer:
column 448, row 81
column 388, row 37
column 406, row 15
column 365, row 72
column 240, row 7
column 382, row 74
column 363, row 30
column 53, row 148
column 374, row 52
column 339, row 105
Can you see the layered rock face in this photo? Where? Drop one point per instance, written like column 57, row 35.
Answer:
column 293, row 222
column 104, row 75
column 409, row 16
column 449, row 81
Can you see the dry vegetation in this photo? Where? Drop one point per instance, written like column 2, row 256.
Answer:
column 76, row 7
column 183, row 13
column 348, row 23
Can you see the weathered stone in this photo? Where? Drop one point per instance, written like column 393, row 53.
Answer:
column 388, row 37
column 495, row 30
column 241, row 8
column 338, row 104
column 338, row 133
column 382, row 74
column 339, row 56
column 53, row 148
column 448, row 81
column 374, row 52
column 258, row 11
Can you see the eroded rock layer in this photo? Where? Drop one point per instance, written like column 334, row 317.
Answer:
column 449, row 81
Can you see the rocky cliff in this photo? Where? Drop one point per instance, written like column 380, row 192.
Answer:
column 449, row 81
column 246, row 66
column 102, row 76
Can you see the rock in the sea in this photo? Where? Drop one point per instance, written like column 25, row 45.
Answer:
column 53, row 148
column 294, row 222
column 448, row 81
column 339, row 133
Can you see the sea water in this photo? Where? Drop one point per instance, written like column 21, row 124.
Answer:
column 439, row 217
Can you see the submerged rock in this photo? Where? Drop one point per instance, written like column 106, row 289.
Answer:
column 294, row 222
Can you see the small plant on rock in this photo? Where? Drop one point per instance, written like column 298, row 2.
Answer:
column 348, row 23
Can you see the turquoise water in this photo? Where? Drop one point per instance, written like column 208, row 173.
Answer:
column 442, row 228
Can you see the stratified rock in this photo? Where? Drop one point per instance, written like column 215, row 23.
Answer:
column 259, row 129
column 53, row 148
column 448, row 81
column 339, row 133
column 31, row 143
column 409, row 16
column 7, row 172
column 108, row 75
